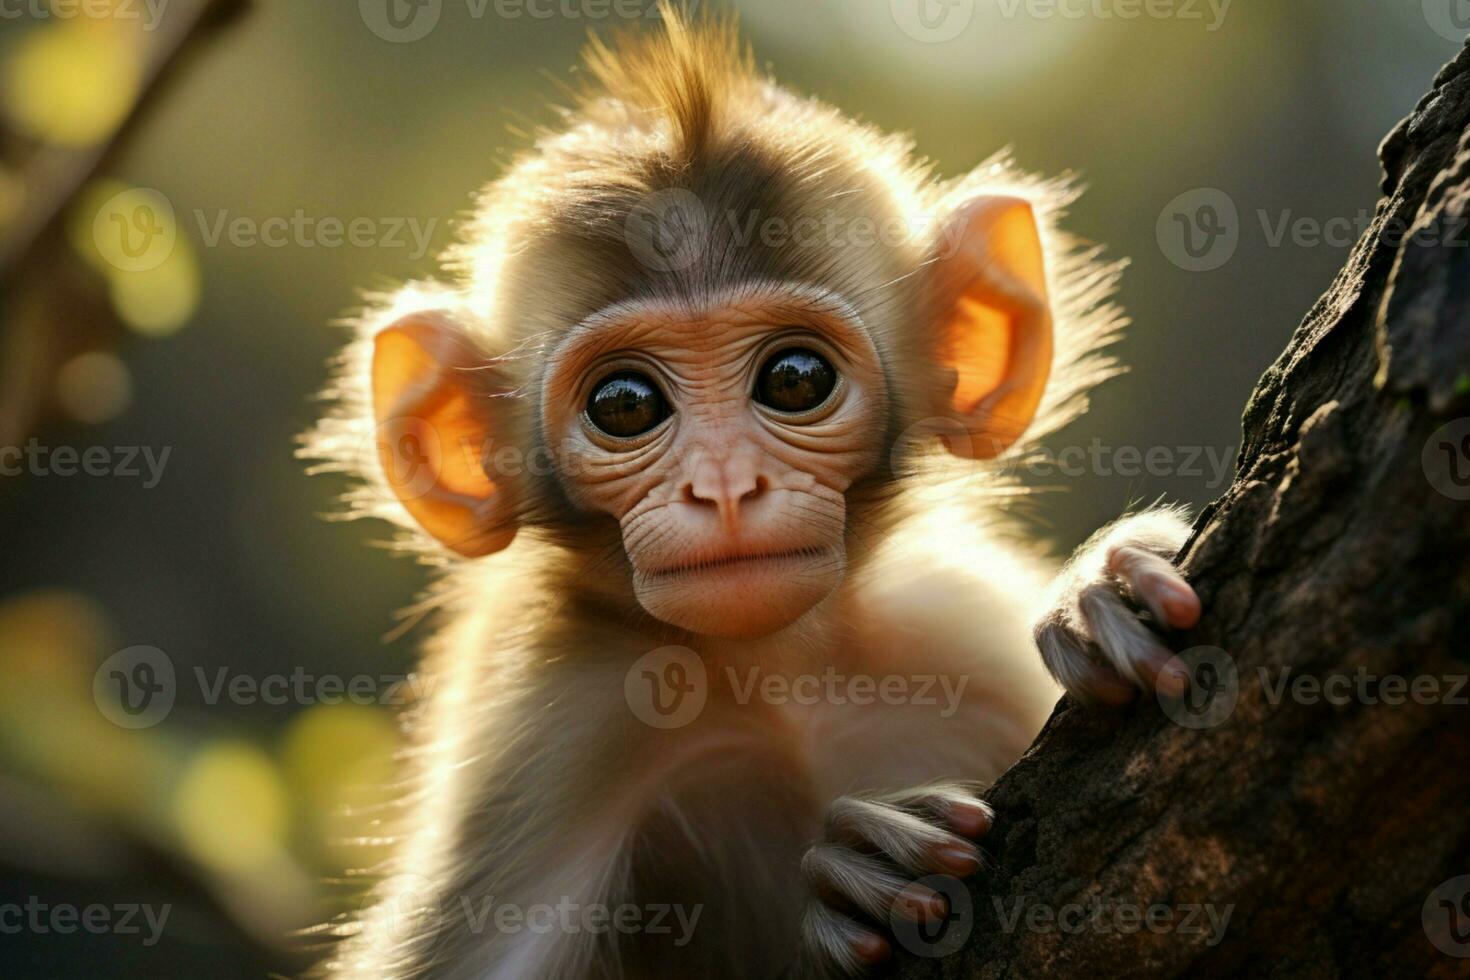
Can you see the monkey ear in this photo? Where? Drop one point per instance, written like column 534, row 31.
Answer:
column 994, row 322
column 435, row 428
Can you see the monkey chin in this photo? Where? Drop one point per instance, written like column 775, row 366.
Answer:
column 741, row 598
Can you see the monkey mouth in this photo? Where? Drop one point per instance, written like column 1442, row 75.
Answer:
column 738, row 560
column 740, row 591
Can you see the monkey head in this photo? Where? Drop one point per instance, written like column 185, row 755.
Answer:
column 671, row 303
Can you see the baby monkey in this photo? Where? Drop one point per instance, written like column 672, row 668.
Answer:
column 709, row 433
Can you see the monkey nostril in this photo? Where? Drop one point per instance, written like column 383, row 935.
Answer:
column 713, row 496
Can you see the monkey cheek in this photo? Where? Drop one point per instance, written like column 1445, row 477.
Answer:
column 741, row 603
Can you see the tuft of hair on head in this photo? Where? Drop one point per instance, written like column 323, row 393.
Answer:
column 682, row 75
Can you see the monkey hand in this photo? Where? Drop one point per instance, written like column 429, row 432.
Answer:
column 1093, row 638
column 872, row 871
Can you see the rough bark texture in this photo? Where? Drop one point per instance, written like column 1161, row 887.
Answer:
column 1341, row 547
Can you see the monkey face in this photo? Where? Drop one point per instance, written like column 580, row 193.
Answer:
column 723, row 441
column 721, row 426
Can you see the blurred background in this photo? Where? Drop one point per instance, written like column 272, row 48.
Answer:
column 198, row 672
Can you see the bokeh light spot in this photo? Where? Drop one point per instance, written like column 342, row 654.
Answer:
column 94, row 387
column 69, row 83
column 158, row 302
column 155, row 295
column 230, row 808
column 48, row 633
column 338, row 760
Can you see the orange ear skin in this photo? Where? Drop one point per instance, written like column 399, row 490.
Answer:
column 435, row 431
column 995, row 322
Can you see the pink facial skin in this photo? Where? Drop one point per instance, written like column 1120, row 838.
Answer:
column 732, row 513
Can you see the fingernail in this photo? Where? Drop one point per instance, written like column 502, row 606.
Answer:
column 918, row 903
column 958, row 859
column 871, row 948
column 969, row 819
column 1181, row 606
column 1173, row 681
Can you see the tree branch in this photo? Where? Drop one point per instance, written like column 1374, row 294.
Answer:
column 1319, row 825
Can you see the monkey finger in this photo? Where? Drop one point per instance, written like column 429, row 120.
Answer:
column 912, row 843
column 1099, row 683
column 1157, row 584
column 956, row 805
column 1073, row 663
column 836, row 940
column 1130, row 647
column 848, row 881
column 969, row 818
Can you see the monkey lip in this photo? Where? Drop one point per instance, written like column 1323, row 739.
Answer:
column 737, row 561
column 740, row 591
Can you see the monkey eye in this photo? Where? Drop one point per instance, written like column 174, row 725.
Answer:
column 795, row 380
column 626, row 404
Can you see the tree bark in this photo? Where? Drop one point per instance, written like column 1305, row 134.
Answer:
column 1329, row 827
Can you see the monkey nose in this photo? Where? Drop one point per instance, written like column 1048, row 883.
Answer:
column 725, row 487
